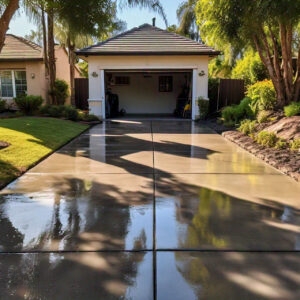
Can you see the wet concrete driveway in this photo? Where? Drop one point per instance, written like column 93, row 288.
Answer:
column 150, row 210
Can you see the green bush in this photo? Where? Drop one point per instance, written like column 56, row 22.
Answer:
column 263, row 116
column 2, row 105
column 44, row 110
column 263, row 96
column 85, row 116
column 54, row 111
column 235, row 113
column 203, row 107
column 71, row 113
column 281, row 144
column 249, row 68
column 268, row 139
column 292, row 110
column 247, row 126
column 295, row 145
column 28, row 104
column 61, row 91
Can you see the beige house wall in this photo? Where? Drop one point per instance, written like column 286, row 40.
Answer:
column 35, row 76
column 37, row 82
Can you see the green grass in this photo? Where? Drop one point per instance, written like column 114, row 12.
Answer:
column 31, row 139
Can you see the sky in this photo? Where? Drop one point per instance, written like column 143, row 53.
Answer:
column 133, row 17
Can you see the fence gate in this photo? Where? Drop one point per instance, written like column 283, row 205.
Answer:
column 82, row 93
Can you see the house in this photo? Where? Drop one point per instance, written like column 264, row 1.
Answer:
column 22, row 68
column 150, row 70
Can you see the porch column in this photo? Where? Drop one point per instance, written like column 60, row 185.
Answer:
column 97, row 93
column 195, row 110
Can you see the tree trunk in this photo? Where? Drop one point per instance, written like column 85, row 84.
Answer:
column 45, row 46
column 286, row 33
column 9, row 11
column 271, row 59
column 72, row 58
column 51, row 56
column 297, row 80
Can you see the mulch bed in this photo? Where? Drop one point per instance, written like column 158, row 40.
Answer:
column 3, row 144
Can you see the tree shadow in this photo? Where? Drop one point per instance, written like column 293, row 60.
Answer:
column 100, row 233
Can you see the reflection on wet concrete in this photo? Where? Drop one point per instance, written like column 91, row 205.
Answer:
column 129, row 208
column 208, row 219
column 78, row 276
column 228, row 275
column 59, row 213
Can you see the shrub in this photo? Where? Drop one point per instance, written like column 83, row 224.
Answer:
column 56, row 111
column 247, row 126
column 44, row 110
column 203, row 107
column 229, row 115
column 85, row 116
column 91, row 118
column 71, row 113
column 295, row 144
column 281, row 144
column 28, row 104
column 61, row 91
column 2, row 105
column 263, row 116
column 268, row 139
column 235, row 113
column 292, row 110
column 263, row 96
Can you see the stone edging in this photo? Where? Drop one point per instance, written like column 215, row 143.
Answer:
column 286, row 161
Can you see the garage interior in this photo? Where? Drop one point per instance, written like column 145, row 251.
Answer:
column 148, row 93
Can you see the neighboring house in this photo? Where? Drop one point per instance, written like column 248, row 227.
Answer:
column 149, row 69
column 22, row 68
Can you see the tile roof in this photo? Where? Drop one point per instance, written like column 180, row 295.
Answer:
column 148, row 40
column 19, row 49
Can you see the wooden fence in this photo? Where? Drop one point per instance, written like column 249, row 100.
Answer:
column 81, row 93
column 227, row 92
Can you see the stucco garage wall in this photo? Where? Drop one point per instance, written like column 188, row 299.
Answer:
column 142, row 94
column 99, row 64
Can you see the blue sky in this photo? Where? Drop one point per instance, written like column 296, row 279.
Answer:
column 133, row 17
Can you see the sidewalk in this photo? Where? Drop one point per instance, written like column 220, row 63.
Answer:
column 150, row 210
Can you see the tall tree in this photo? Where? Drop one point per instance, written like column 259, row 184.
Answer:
column 73, row 16
column 153, row 5
column 268, row 26
column 187, row 20
column 7, row 10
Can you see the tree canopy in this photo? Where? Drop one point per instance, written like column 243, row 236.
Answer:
column 270, row 27
column 7, row 10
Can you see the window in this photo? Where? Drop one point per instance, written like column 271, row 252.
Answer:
column 165, row 83
column 12, row 83
column 20, row 82
column 122, row 80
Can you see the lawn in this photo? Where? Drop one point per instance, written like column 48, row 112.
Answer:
column 30, row 140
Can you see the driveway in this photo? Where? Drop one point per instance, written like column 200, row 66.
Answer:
column 150, row 210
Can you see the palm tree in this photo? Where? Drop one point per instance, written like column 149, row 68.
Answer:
column 187, row 20
column 7, row 10
column 153, row 5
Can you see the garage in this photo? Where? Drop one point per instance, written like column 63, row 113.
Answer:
column 149, row 92
column 147, row 71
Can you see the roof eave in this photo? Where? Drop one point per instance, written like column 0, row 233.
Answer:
column 150, row 53
column 20, row 59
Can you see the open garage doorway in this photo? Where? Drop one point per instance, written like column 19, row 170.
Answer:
column 148, row 93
